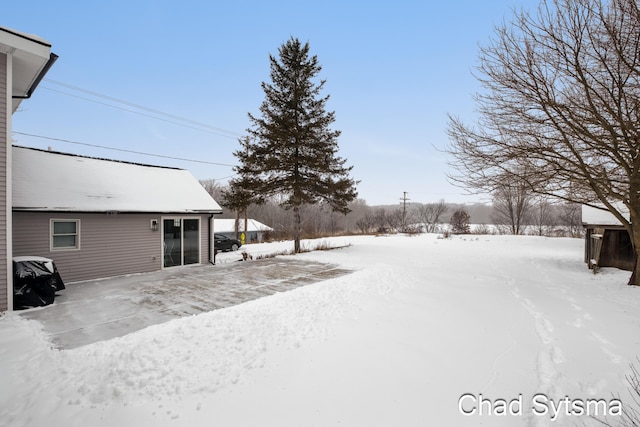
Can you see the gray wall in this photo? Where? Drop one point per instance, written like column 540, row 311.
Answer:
column 110, row 245
column 5, row 116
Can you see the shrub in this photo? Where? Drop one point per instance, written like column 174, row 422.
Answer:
column 460, row 222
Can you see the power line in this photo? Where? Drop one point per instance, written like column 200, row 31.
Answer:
column 225, row 177
column 135, row 112
column 212, row 129
column 123, row 150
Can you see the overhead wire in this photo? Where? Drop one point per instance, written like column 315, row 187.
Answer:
column 213, row 129
column 137, row 112
column 155, row 113
column 123, row 150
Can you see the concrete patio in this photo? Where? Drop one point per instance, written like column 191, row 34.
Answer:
column 87, row 312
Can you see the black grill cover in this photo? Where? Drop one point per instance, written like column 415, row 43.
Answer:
column 35, row 282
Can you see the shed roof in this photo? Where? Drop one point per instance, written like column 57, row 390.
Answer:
column 594, row 216
column 228, row 225
column 61, row 182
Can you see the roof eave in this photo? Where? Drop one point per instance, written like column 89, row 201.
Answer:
column 115, row 212
column 31, row 59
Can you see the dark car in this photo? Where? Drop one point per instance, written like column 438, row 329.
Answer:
column 224, row 244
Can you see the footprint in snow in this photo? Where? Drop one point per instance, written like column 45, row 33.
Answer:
column 557, row 356
column 592, row 388
column 605, row 347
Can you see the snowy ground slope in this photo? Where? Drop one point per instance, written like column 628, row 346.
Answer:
column 420, row 322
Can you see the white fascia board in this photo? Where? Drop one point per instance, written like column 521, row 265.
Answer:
column 12, row 41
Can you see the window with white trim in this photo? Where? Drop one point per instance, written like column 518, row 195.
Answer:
column 65, row 234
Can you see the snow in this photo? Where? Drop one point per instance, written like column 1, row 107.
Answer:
column 97, row 310
column 29, row 36
column 48, row 262
column 225, row 225
column 591, row 215
column 51, row 181
column 420, row 322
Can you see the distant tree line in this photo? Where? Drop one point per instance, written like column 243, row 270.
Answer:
column 506, row 215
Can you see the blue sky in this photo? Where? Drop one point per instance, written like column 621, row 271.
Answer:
column 393, row 70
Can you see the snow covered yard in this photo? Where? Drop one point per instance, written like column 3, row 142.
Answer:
column 420, row 324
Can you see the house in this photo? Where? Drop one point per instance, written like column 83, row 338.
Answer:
column 254, row 233
column 607, row 242
column 99, row 218
column 24, row 61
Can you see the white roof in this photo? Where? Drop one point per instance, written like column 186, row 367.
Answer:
column 594, row 216
column 228, row 225
column 51, row 181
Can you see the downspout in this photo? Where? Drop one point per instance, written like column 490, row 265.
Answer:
column 52, row 59
column 212, row 262
column 211, row 232
column 6, row 139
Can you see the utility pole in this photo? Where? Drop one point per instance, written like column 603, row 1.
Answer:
column 404, row 210
column 246, row 224
column 243, row 236
column 236, row 224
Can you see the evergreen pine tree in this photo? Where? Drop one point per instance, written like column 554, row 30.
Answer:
column 291, row 150
column 460, row 222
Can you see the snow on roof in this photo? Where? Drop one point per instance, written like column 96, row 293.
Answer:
column 594, row 216
column 52, row 181
column 26, row 36
column 228, row 225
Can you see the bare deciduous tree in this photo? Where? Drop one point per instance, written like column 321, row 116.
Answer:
column 429, row 214
column 213, row 188
column 570, row 217
column 366, row 223
column 511, row 206
column 395, row 220
column 380, row 220
column 542, row 216
column 561, row 108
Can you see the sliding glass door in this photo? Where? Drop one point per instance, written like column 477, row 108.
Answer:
column 191, row 241
column 181, row 241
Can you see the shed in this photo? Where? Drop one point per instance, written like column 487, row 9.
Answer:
column 255, row 232
column 607, row 242
column 99, row 217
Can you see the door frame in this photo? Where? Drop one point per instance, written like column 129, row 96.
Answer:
column 181, row 218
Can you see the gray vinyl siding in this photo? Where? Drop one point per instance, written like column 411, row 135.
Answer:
column 110, row 245
column 4, row 121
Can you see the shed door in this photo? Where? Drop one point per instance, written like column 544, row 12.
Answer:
column 181, row 241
